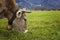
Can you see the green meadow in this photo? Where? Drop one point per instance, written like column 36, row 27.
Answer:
column 42, row 25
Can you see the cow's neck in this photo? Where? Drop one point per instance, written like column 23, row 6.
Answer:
column 11, row 8
column 10, row 21
column 8, row 14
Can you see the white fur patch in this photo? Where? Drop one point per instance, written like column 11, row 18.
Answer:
column 25, row 31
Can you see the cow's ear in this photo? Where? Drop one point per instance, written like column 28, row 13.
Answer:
column 18, row 14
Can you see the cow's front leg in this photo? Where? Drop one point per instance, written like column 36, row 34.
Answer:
column 9, row 27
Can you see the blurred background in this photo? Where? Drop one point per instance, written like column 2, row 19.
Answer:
column 39, row 4
column 42, row 25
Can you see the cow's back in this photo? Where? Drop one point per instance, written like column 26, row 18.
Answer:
column 7, row 5
column 11, row 5
column 2, row 5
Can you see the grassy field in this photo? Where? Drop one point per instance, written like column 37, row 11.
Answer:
column 42, row 25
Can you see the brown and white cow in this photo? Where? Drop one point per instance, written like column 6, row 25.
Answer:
column 16, row 17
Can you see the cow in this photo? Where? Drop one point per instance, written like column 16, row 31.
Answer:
column 16, row 17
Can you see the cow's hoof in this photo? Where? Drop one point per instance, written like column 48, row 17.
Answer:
column 9, row 28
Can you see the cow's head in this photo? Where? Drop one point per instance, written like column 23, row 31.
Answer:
column 19, row 22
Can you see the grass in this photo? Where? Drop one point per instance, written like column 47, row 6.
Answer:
column 42, row 25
